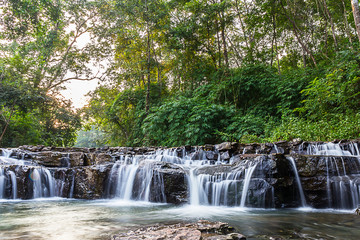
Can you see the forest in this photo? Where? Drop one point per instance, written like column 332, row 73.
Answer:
column 178, row 72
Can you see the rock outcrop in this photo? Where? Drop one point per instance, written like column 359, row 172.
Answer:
column 201, row 230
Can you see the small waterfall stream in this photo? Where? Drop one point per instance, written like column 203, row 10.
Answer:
column 210, row 179
column 134, row 178
column 248, row 174
column 298, row 182
column 342, row 173
column 2, row 183
column 42, row 183
column 14, row 184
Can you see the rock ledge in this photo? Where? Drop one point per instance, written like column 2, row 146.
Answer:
column 201, row 230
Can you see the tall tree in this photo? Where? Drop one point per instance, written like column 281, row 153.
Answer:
column 356, row 13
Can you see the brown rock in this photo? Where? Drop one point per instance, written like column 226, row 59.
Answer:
column 195, row 231
column 224, row 146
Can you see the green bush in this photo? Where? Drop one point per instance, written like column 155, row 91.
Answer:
column 330, row 127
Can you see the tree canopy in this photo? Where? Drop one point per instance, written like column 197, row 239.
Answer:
column 179, row 72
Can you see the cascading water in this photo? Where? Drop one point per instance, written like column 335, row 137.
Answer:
column 134, row 178
column 2, row 183
column 208, row 177
column 42, row 182
column 248, row 174
column 229, row 187
column 329, row 149
column 14, row 184
column 298, row 182
column 343, row 172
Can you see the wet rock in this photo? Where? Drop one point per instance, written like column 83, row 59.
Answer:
column 202, row 230
column 32, row 148
column 211, row 155
column 175, row 184
column 209, row 147
column 99, row 158
column 59, row 159
column 48, row 159
column 214, row 170
column 225, row 155
column 248, row 150
column 231, row 236
column 226, row 146
column 187, row 148
column 90, row 182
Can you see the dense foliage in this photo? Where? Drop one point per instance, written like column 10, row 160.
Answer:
column 177, row 72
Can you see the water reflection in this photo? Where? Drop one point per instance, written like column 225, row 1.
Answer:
column 73, row 219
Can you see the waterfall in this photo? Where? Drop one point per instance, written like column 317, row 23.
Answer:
column 125, row 176
column 43, row 183
column 197, row 192
column 298, row 182
column 197, row 175
column 229, row 187
column 71, row 193
column 342, row 173
column 135, row 178
column 8, row 178
column 14, row 184
column 332, row 149
column 2, row 183
column 248, row 174
column 343, row 186
column 37, row 184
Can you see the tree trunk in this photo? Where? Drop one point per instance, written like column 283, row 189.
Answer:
column 7, row 122
column 242, row 24
column 222, row 22
column 331, row 23
column 147, row 100
column 347, row 29
column 225, row 47
column 297, row 36
column 147, row 103
column 356, row 13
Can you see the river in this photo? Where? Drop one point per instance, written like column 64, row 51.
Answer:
column 58, row 218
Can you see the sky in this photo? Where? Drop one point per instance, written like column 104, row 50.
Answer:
column 76, row 91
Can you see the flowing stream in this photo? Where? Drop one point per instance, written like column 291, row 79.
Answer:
column 76, row 219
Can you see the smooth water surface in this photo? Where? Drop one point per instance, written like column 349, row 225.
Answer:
column 75, row 219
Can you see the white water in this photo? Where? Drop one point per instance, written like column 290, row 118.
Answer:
column 333, row 149
column 14, row 184
column 248, row 174
column 133, row 178
column 197, row 193
column 136, row 178
column 42, row 180
column 2, row 183
column 343, row 188
column 298, row 182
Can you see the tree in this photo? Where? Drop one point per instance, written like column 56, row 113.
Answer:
column 356, row 13
column 44, row 38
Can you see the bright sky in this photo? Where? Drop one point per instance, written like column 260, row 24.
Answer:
column 76, row 91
